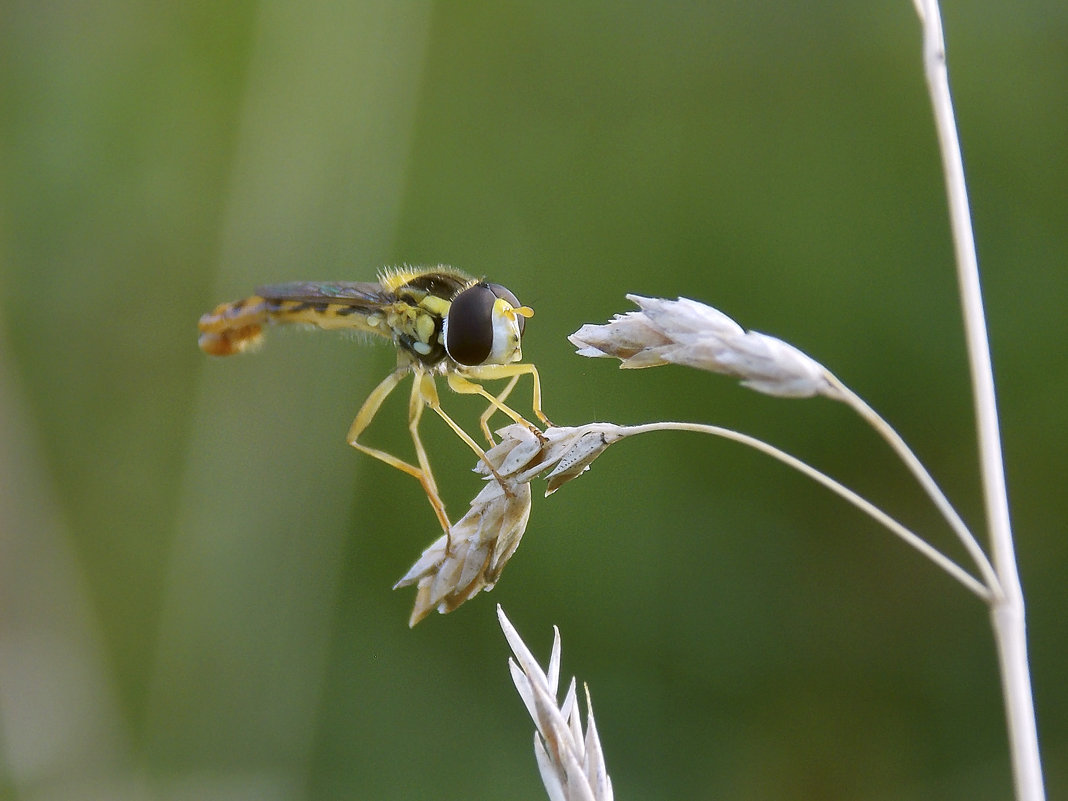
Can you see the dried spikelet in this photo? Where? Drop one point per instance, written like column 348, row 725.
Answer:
column 454, row 569
column 689, row 333
column 571, row 763
column 564, row 451
column 481, row 543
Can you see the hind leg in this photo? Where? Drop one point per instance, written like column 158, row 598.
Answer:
column 415, row 410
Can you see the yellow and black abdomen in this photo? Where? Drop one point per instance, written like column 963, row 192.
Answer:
column 233, row 327
column 237, row 326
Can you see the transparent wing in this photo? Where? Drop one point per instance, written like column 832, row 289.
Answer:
column 367, row 295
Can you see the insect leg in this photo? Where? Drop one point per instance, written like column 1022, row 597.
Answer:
column 430, row 398
column 488, row 372
column 363, row 420
column 502, row 396
column 424, row 393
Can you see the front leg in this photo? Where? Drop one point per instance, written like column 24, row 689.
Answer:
column 491, row 410
column 461, row 383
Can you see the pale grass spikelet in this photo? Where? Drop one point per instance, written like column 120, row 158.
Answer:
column 692, row 334
column 455, row 568
column 571, row 763
column 564, row 451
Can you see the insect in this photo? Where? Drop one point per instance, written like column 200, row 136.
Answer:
column 441, row 321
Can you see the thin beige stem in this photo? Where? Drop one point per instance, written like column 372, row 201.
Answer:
column 926, row 481
column 908, row 536
column 1007, row 607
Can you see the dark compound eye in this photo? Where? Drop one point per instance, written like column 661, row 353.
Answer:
column 470, row 328
column 469, row 331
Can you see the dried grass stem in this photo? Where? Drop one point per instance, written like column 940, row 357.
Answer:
column 906, row 535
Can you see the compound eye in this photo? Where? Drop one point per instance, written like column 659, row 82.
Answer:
column 469, row 324
column 505, row 293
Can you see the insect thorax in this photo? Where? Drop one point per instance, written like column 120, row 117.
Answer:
column 426, row 353
column 418, row 318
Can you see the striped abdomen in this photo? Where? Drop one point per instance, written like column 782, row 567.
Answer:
column 234, row 327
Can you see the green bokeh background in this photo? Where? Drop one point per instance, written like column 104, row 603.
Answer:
column 196, row 571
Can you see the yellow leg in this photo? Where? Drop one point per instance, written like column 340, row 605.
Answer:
column 430, row 398
column 491, row 410
column 460, row 383
column 425, row 393
column 415, row 410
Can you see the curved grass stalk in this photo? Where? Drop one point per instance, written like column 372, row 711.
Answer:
column 693, row 334
column 906, row 535
column 927, row 482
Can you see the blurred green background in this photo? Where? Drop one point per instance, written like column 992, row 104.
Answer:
column 195, row 571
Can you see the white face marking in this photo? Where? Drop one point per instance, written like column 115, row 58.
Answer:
column 506, row 345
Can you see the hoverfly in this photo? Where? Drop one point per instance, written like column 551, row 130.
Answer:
column 441, row 321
